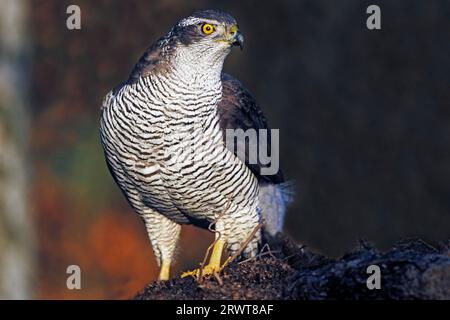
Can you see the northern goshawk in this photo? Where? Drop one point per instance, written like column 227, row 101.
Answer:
column 163, row 134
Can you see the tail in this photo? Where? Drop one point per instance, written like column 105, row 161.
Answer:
column 273, row 201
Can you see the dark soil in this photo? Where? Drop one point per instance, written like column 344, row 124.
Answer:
column 412, row 269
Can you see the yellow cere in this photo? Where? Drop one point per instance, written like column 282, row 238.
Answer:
column 207, row 28
column 233, row 29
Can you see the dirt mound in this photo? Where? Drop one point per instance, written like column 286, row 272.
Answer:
column 412, row 269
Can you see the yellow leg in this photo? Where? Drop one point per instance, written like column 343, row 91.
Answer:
column 213, row 265
column 216, row 255
column 164, row 271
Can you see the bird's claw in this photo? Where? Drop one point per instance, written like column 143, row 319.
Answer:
column 207, row 270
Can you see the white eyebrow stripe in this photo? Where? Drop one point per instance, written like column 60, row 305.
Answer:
column 192, row 20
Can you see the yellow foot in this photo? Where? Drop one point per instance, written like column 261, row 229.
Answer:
column 212, row 266
column 208, row 270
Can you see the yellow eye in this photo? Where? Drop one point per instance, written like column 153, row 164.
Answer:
column 207, row 28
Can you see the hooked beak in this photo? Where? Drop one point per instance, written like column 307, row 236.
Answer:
column 236, row 39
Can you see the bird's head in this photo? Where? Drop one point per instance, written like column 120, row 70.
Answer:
column 207, row 37
column 212, row 29
column 195, row 47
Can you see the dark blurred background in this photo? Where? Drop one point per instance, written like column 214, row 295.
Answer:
column 364, row 119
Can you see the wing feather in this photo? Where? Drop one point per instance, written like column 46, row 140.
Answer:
column 239, row 110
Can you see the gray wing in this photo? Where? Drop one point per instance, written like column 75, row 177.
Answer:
column 239, row 110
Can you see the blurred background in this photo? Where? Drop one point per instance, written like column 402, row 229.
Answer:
column 364, row 119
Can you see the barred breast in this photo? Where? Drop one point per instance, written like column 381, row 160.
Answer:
column 164, row 145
